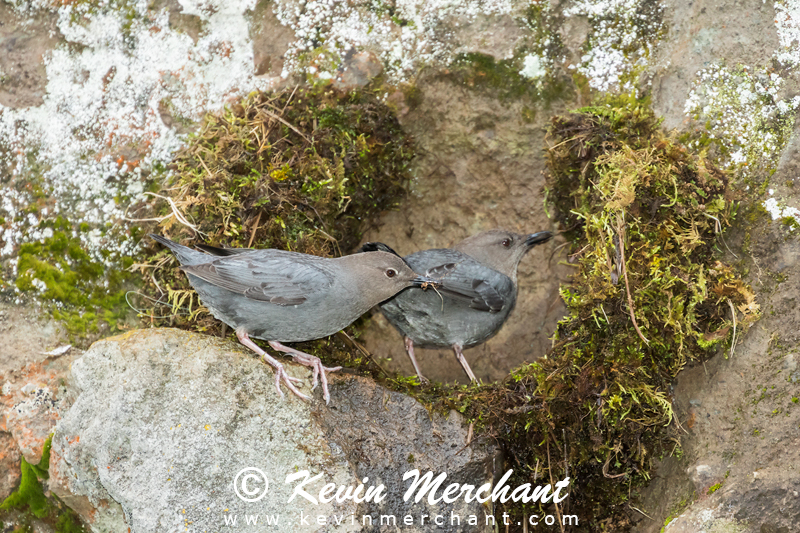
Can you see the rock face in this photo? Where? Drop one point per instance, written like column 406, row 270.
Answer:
column 164, row 420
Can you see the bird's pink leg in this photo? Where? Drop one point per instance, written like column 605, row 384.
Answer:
column 312, row 361
column 280, row 372
column 463, row 361
column 410, row 351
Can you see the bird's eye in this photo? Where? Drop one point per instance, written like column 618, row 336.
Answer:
column 506, row 242
column 390, row 273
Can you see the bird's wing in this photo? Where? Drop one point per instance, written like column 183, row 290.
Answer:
column 281, row 278
column 464, row 279
column 479, row 293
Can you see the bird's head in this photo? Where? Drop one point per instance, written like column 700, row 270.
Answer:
column 386, row 273
column 500, row 249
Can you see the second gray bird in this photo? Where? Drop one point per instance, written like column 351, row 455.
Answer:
column 284, row 296
column 484, row 264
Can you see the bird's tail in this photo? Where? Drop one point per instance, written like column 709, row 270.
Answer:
column 376, row 247
column 185, row 255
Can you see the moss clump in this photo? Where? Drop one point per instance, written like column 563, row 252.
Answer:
column 86, row 295
column 303, row 170
column 31, row 500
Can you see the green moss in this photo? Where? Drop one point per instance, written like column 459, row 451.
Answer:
column 29, row 495
column 503, row 78
column 31, row 500
column 791, row 223
column 714, row 488
column 82, row 292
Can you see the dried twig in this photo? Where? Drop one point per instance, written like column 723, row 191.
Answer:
column 552, row 484
column 733, row 340
column 621, row 234
column 640, row 511
column 255, row 229
column 175, row 212
column 282, row 121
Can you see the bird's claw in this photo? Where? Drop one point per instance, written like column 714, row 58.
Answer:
column 311, row 361
column 320, row 370
column 281, row 375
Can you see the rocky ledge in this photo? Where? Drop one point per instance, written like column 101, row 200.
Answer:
column 151, row 429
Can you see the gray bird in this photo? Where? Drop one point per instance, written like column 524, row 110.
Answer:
column 484, row 265
column 281, row 296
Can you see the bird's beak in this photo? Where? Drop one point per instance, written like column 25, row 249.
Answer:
column 425, row 282
column 538, row 238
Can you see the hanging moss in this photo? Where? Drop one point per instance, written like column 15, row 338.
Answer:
column 649, row 295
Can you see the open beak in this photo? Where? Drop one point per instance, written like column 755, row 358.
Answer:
column 425, row 282
column 538, row 238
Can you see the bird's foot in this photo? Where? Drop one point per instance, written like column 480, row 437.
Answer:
column 280, row 372
column 422, row 380
column 289, row 381
column 457, row 348
column 313, row 362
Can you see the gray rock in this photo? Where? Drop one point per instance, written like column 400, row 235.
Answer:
column 163, row 420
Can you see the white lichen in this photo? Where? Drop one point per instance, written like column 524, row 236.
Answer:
column 778, row 211
column 620, row 43
column 405, row 36
column 100, row 128
column 742, row 111
column 787, row 24
column 743, row 107
column 533, row 67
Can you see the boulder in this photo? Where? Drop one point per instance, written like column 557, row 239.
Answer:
column 167, row 427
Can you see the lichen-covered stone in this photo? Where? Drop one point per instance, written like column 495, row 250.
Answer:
column 31, row 400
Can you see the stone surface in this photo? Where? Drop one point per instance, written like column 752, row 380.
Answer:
column 164, row 420
column 271, row 40
column 740, row 466
column 25, row 333
column 9, row 465
column 23, row 45
column 31, row 399
column 701, row 33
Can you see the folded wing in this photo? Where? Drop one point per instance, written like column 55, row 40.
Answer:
column 266, row 276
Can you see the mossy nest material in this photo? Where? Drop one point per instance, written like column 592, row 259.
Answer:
column 649, row 294
column 304, row 169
